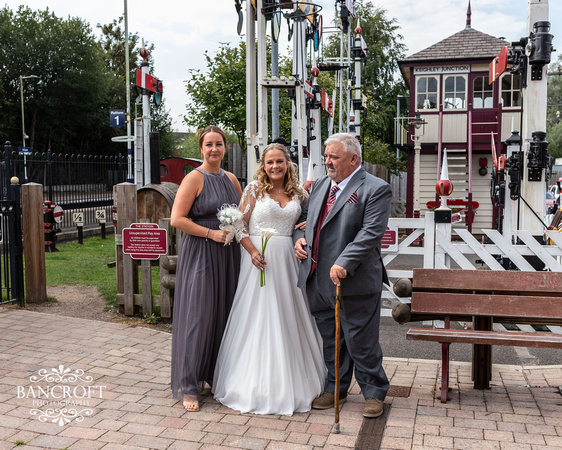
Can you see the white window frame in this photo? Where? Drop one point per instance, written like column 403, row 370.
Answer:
column 511, row 91
column 437, row 93
column 455, row 92
column 487, row 88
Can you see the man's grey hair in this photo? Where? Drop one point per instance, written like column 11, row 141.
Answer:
column 350, row 144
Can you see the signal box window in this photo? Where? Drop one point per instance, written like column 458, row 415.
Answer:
column 483, row 93
column 510, row 90
column 455, row 92
column 426, row 92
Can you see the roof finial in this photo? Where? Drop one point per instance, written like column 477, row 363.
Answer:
column 468, row 14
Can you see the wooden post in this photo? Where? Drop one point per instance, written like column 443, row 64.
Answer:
column 127, row 277
column 34, row 243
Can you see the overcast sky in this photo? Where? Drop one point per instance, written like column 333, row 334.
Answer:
column 182, row 30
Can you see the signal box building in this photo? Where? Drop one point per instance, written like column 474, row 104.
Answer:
column 452, row 106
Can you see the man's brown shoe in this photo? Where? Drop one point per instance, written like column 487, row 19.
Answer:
column 326, row 401
column 373, row 407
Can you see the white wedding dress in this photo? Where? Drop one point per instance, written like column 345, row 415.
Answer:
column 270, row 360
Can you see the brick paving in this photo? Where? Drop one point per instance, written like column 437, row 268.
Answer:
column 131, row 406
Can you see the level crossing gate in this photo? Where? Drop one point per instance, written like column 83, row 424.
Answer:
column 440, row 246
column 11, row 246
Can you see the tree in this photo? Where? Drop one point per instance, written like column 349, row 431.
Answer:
column 81, row 78
column 379, row 83
column 554, row 109
column 219, row 97
column 62, row 107
column 554, row 138
column 113, row 44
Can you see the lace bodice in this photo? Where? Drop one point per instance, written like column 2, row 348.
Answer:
column 266, row 213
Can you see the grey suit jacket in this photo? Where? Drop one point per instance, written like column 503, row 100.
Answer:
column 350, row 236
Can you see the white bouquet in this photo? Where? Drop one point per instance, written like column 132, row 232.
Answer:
column 231, row 220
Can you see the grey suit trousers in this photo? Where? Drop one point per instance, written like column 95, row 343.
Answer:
column 359, row 344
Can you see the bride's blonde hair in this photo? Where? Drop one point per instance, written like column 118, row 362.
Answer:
column 291, row 182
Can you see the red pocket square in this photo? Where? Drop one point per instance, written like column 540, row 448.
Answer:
column 354, row 198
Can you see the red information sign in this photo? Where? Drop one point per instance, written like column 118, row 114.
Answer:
column 389, row 240
column 145, row 241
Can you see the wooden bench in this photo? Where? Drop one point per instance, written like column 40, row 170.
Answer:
column 484, row 297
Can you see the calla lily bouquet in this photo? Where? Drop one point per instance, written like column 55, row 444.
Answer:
column 231, row 219
column 266, row 233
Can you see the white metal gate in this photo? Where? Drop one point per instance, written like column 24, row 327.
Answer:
column 439, row 246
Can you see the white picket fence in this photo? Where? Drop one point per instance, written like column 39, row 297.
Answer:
column 442, row 246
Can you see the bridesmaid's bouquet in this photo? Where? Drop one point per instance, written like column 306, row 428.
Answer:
column 266, row 233
column 231, row 220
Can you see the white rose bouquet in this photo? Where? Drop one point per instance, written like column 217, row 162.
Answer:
column 266, row 233
column 231, row 220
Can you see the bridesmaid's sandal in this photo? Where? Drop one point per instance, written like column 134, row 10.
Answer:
column 191, row 406
column 190, row 403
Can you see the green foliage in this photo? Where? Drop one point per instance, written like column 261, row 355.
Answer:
column 87, row 264
column 82, row 78
column 380, row 85
column 84, row 264
column 151, row 320
column 190, row 147
column 554, row 110
column 113, row 44
column 377, row 152
column 554, row 137
column 162, row 122
column 63, row 108
column 219, row 96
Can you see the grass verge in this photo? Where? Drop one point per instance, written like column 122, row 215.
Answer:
column 84, row 264
column 87, row 264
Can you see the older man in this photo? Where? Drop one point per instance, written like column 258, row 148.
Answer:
column 347, row 214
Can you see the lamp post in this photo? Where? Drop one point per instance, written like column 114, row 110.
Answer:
column 419, row 128
column 24, row 136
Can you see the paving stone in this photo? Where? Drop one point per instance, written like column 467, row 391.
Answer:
column 115, row 437
column 151, row 442
column 82, row 433
column 47, row 441
column 137, row 409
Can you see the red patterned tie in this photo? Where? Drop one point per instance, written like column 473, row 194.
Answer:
column 332, row 196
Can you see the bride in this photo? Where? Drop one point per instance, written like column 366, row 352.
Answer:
column 270, row 359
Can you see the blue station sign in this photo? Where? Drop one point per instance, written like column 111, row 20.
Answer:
column 117, row 118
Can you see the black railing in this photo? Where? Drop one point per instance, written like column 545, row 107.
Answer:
column 11, row 244
column 77, row 183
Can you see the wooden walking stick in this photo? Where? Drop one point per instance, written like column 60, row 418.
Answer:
column 336, row 429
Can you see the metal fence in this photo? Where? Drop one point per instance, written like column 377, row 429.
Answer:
column 11, row 245
column 77, row 183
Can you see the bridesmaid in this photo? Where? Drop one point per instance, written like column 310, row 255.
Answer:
column 207, row 270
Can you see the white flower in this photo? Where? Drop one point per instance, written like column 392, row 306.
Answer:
column 266, row 233
column 231, row 220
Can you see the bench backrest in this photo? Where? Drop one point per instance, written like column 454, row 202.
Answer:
column 504, row 294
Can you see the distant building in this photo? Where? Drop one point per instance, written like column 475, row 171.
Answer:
column 450, row 92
